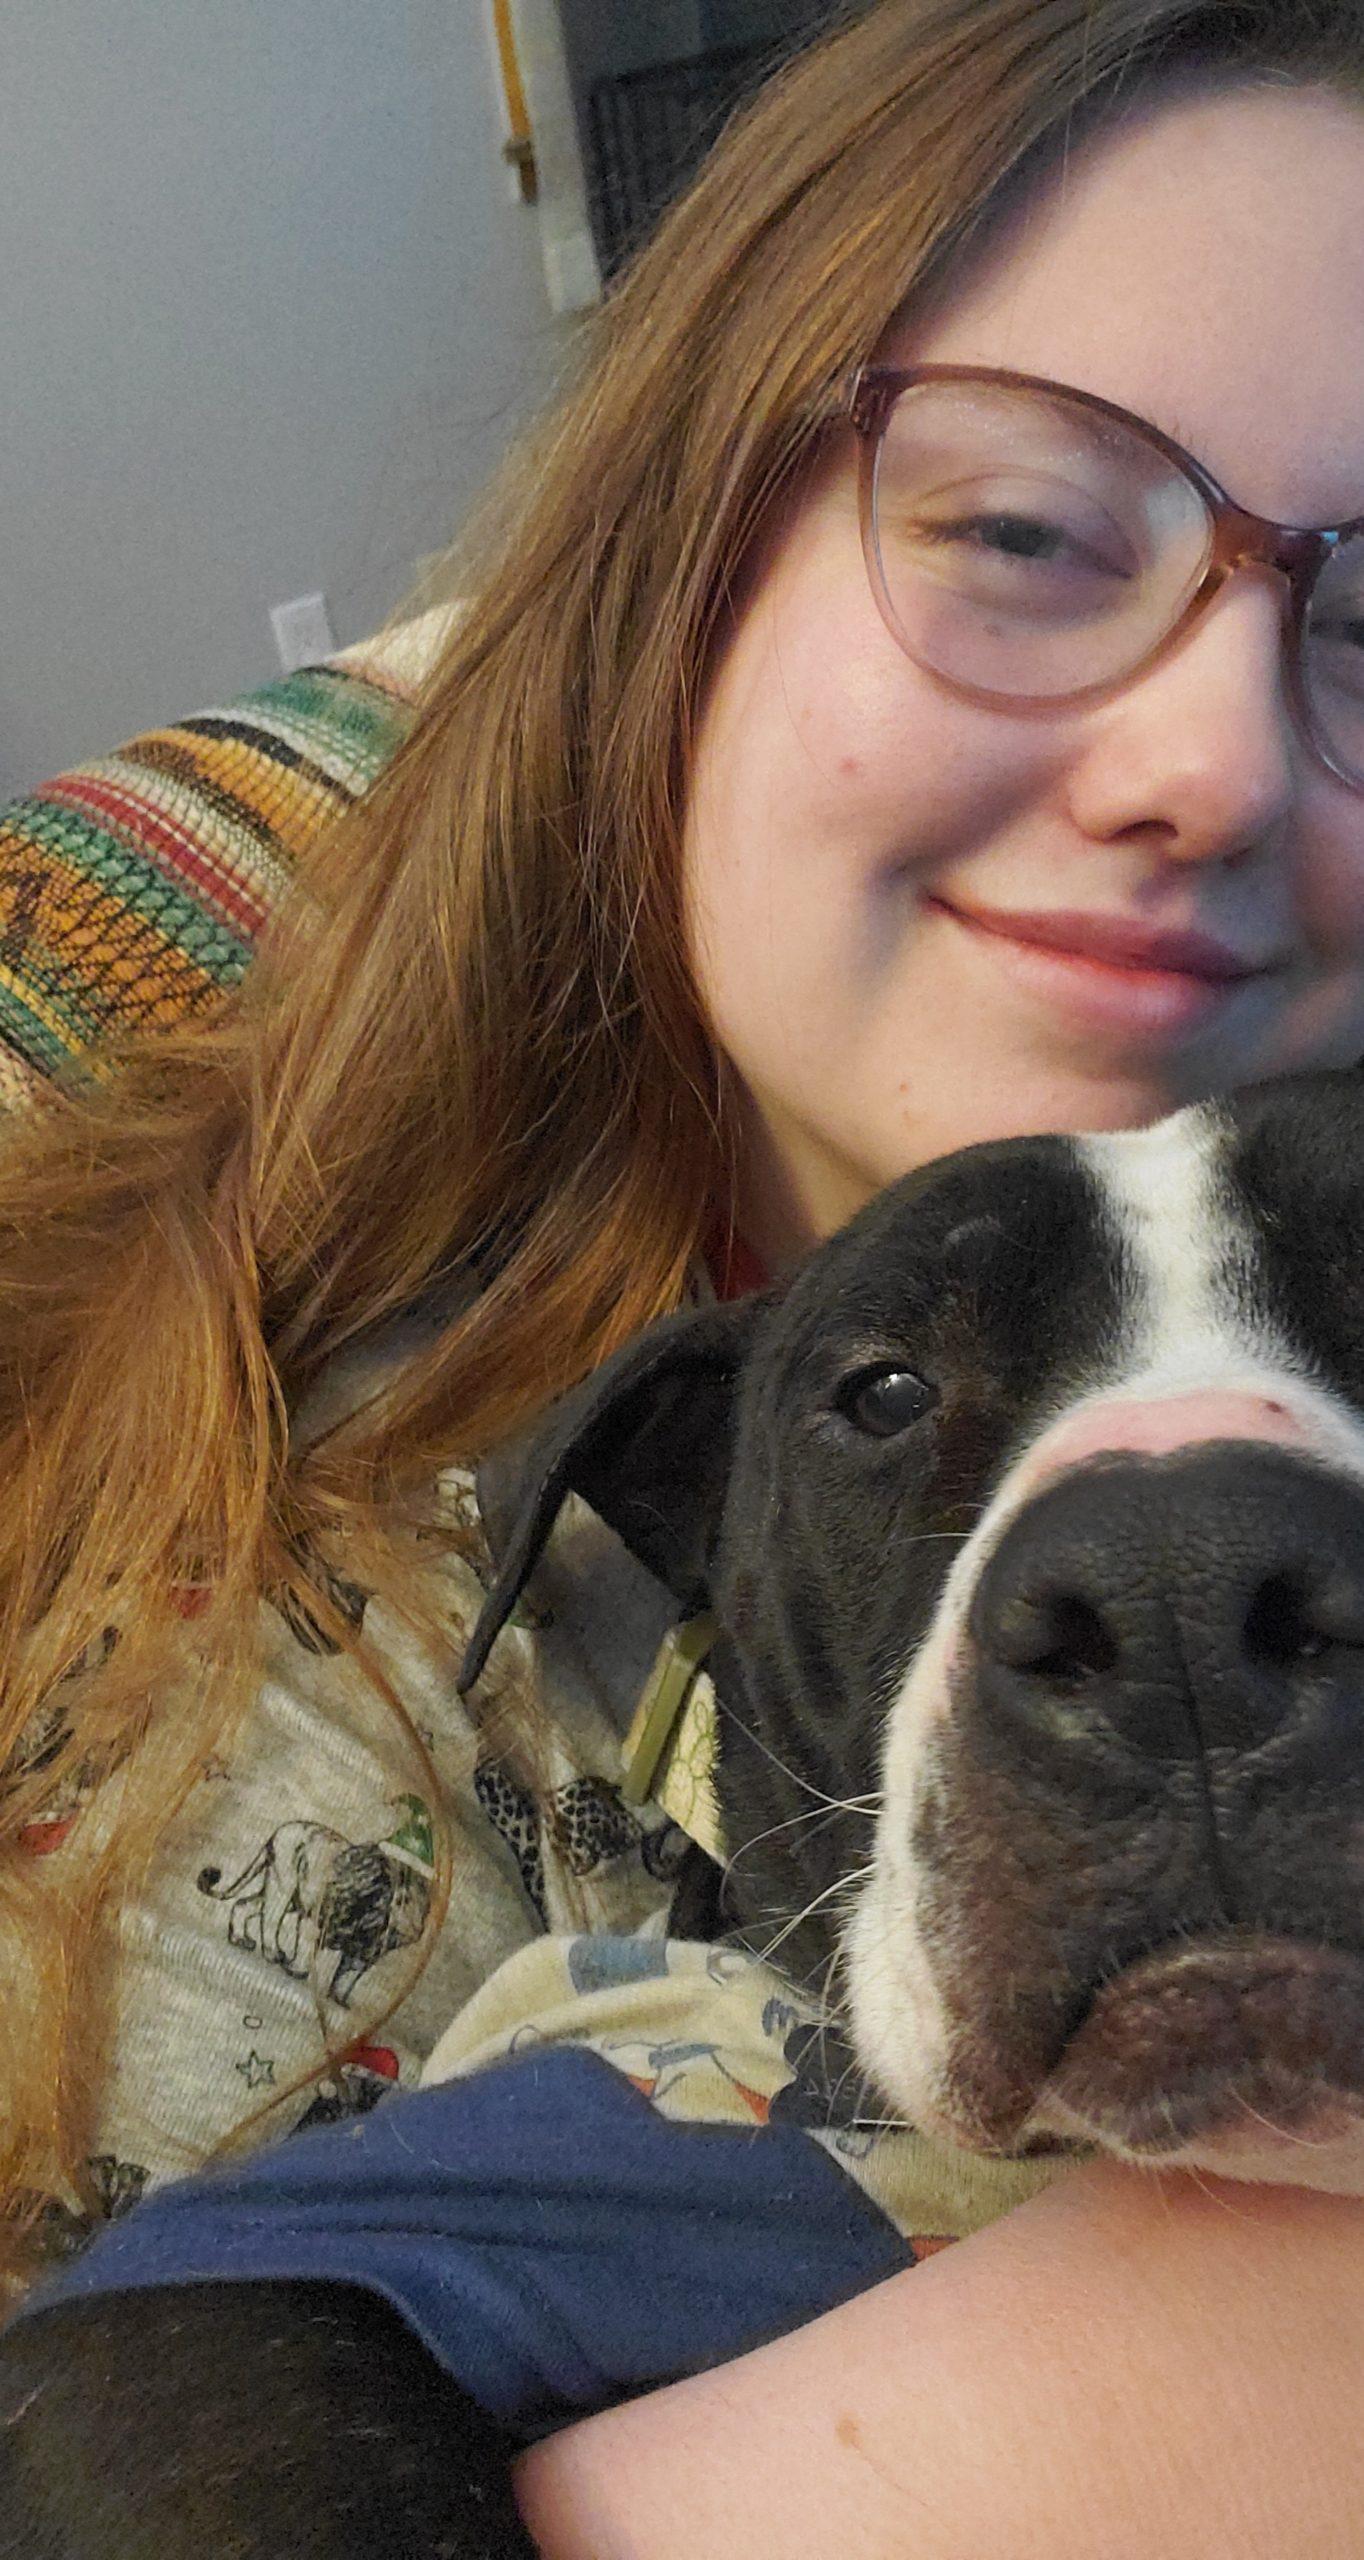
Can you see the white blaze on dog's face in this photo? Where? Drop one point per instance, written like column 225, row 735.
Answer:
column 1110, row 1910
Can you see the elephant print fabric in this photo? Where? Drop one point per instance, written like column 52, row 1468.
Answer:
column 310, row 1893
column 287, row 1959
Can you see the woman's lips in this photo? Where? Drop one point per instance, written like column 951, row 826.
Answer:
column 1127, row 977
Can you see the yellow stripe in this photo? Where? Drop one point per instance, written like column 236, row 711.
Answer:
column 292, row 805
column 118, row 948
column 31, row 998
column 518, row 118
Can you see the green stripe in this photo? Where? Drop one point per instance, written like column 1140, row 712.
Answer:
column 340, row 715
column 40, row 1046
column 81, row 1017
column 353, row 718
column 133, row 882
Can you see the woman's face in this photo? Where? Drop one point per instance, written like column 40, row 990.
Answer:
column 1205, row 268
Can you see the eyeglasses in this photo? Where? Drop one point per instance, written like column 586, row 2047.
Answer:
column 1031, row 543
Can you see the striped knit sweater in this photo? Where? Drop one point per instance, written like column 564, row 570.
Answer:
column 132, row 889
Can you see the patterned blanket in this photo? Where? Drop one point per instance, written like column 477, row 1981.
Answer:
column 132, row 889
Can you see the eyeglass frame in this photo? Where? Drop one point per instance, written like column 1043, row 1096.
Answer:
column 1239, row 538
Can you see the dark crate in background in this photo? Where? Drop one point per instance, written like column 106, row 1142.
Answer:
column 647, row 131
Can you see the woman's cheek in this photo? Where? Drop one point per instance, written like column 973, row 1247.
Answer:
column 1334, row 898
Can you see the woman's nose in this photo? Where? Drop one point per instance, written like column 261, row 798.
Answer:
column 1203, row 745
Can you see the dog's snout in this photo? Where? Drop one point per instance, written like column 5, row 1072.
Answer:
column 1204, row 1600
column 1158, row 1424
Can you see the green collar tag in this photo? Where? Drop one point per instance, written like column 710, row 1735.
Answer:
column 671, row 1748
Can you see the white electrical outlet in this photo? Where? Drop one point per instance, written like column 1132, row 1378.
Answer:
column 303, row 631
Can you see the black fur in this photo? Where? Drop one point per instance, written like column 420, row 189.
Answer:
column 243, row 2422
column 298, row 2422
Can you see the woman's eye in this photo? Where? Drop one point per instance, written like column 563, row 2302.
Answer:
column 885, row 1400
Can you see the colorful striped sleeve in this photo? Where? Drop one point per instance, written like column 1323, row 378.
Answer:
column 132, row 889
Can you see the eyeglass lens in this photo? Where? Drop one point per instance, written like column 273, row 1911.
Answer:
column 1029, row 546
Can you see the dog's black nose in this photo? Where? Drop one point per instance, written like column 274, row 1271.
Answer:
column 1202, row 1601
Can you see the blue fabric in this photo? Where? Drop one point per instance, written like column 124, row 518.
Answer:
column 552, row 2240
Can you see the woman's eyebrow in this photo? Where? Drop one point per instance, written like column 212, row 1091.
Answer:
column 1097, row 431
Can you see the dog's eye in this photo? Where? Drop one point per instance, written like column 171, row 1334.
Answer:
column 885, row 1400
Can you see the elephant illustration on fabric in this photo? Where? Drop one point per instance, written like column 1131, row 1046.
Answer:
column 309, row 1893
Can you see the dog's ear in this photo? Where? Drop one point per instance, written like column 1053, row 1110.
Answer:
column 646, row 1441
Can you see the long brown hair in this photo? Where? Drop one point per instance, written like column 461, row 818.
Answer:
column 471, row 1030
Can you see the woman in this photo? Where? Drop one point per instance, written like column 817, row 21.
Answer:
column 721, row 881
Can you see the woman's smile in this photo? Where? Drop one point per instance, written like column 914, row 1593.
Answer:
column 1104, row 973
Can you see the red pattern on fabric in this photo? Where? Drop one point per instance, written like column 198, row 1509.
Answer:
column 39, row 1839
column 378, row 2058
column 155, row 834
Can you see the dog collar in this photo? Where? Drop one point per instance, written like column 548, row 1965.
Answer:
column 673, row 1746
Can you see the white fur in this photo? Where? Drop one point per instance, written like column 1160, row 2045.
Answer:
column 1192, row 1319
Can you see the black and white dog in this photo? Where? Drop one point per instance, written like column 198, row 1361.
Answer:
column 1033, row 1507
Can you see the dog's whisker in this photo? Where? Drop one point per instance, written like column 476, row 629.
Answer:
column 854, row 2071
column 828, row 2012
column 831, row 2017
column 840, row 1885
column 1281, row 2132
column 830, row 2007
column 865, row 1807
column 768, row 1753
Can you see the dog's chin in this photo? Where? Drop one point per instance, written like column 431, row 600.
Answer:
column 1242, row 2054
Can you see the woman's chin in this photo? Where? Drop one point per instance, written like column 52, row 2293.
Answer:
column 1011, row 1106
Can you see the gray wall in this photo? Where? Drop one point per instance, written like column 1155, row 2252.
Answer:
column 268, row 315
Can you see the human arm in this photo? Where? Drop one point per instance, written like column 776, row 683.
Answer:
column 1124, row 2366
column 1117, row 2368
